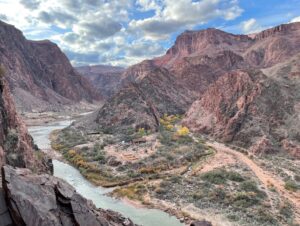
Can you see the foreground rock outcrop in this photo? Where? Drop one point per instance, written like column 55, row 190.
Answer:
column 39, row 74
column 40, row 200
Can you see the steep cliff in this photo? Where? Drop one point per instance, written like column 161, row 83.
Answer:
column 39, row 74
column 16, row 145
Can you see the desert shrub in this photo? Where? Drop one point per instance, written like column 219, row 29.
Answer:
column 245, row 199
column 249, row 185
column 100, row 157
column 234, row 176
column 291, row 186
column 161, row 191
column 215, row 177
column 217, row 194
column 297, row 178
column 265, row 217
column 165, row 138
column 220, row 176
column 175, row 179
column 183, row 139
column 2, row 71
column 286, row 210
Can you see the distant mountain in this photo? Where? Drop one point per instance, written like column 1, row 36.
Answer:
column 39, row 74
column 245, row 88
column 106, row 79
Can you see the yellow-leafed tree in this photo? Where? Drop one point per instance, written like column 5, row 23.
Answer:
column 183, row 131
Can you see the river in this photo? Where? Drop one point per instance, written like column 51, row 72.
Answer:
column 141, row 216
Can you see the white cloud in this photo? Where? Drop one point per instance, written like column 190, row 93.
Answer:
column 182, row 14
column 105, row 31
column 296, row 19
column 251, row 26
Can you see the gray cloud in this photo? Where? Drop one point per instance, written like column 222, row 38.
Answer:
column 3, row 17
column 31, row 4
column 99, row 29
column 56, row 17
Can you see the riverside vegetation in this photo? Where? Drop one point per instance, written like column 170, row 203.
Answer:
column 177, row 167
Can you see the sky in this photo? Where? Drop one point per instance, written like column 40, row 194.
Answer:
column 125, row 32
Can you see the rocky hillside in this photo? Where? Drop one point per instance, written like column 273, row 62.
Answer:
column 39, row 74
column 141, row 102
column 260, row 113
column 250, row 109
column 16, row 145
column 106, row 79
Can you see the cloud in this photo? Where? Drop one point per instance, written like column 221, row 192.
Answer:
column 182, row 14
column 3, row 17
column 117, row 32
column 98, row 29
column 30, row 4
column 251, row 26
column 296, row 19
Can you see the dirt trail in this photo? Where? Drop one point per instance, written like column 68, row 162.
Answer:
column 265, row 177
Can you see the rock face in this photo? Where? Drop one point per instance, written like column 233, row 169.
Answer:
column 16, row 145
column 42, row 200
column 141, row 102
column 106, row 79
column 39, row 74
column 247, row 108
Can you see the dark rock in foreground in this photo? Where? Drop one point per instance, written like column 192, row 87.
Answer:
column 40, row 200
column 201, row 223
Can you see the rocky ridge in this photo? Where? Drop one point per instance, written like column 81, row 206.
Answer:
column 39, row 74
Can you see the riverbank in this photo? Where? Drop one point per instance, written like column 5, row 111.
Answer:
column 140, row 215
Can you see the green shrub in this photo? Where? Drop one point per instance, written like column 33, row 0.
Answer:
column 297, row 178
column 291, row 186
column 249, row 185
column 220, row 176
column 2, row 71
column 217, row 194
column 215, row 176
column 234, row 176
column 245, row 199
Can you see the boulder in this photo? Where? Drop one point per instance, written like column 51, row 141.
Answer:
column 44, row 200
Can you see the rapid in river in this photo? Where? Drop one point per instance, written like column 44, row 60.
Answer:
column 140, row 216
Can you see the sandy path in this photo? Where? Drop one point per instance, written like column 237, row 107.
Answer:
column 265, row 177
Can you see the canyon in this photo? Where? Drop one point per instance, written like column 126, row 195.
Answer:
column 210, row 130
